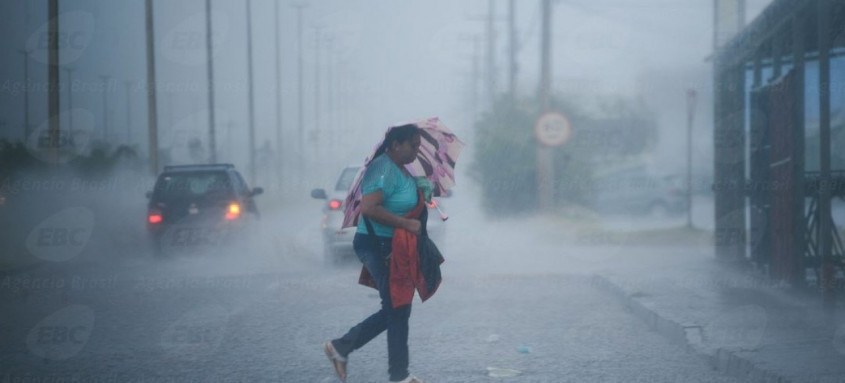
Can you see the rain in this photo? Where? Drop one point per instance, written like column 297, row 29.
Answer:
column 602, row 191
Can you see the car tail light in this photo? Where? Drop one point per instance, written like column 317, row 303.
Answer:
column 154, row 217
column 234, row 211
column 335, row 204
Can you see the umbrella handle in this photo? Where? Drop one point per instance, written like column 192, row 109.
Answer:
column 443, row 216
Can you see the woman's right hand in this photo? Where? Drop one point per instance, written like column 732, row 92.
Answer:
column 413, row 225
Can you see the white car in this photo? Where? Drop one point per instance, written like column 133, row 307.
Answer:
column 337, row 242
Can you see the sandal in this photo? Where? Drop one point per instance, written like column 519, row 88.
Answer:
column 337, row 360
column 411, row 379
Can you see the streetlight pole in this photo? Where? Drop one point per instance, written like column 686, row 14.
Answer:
column 53, row 78
column 251, row 96
column 491, row 53
column 317, row 133
column 476, row 77
column 545, row 160
column 69, row 70
column 300, row 115
column 317, row 47
column 513, row 49
column 152, row 112
column 128, row 85
column 279, row 163
column 25, row 53
column 329, row 91
column 105, row 133
column 209, row 45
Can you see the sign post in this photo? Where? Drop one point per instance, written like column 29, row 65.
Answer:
column 691, row 97
column 552, row 129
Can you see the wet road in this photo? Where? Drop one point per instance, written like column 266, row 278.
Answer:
column 260, row 314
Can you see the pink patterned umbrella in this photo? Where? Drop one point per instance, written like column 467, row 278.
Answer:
column 439, row 150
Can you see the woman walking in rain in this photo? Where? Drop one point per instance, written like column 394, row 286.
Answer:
column 389, row 194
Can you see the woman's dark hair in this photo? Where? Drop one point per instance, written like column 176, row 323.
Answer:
column 398, row 134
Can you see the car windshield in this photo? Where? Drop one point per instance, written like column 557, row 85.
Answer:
column 193, row 185
column 346, row 178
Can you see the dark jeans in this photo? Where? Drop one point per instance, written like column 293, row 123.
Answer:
column 373, row 252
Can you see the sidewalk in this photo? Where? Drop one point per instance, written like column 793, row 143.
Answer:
column 742, row 324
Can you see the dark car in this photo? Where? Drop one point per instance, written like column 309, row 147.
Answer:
column 199, row 207
column 337, row 241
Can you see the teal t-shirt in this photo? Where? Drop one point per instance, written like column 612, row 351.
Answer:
column 398, row 188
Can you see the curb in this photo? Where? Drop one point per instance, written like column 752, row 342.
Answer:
column 722, row 360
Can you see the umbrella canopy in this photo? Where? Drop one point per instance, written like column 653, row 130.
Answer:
column 439, row 151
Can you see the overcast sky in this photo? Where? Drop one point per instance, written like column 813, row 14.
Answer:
column 389, row 62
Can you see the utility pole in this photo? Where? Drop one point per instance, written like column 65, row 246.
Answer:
column 105, row 132
column 69, row 71
column 546, row 56
column 317, row 47
column 25, row 54
column 329, row 91
column 209, row 48
column 514, row 50
column 691, row 98
column 128, row 85
column 251, row 95
column 299, row 99
column 491, row 53
column 229, row 125
column 279, row 164
column 170, row 118
column 476, row 75
column 53, row 78
column 152, row 114
column 545, row 162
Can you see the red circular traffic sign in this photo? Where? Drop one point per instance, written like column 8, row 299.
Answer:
column 552, row 129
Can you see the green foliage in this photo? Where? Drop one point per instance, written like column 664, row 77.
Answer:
column 505, row 159
column 100, row 162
